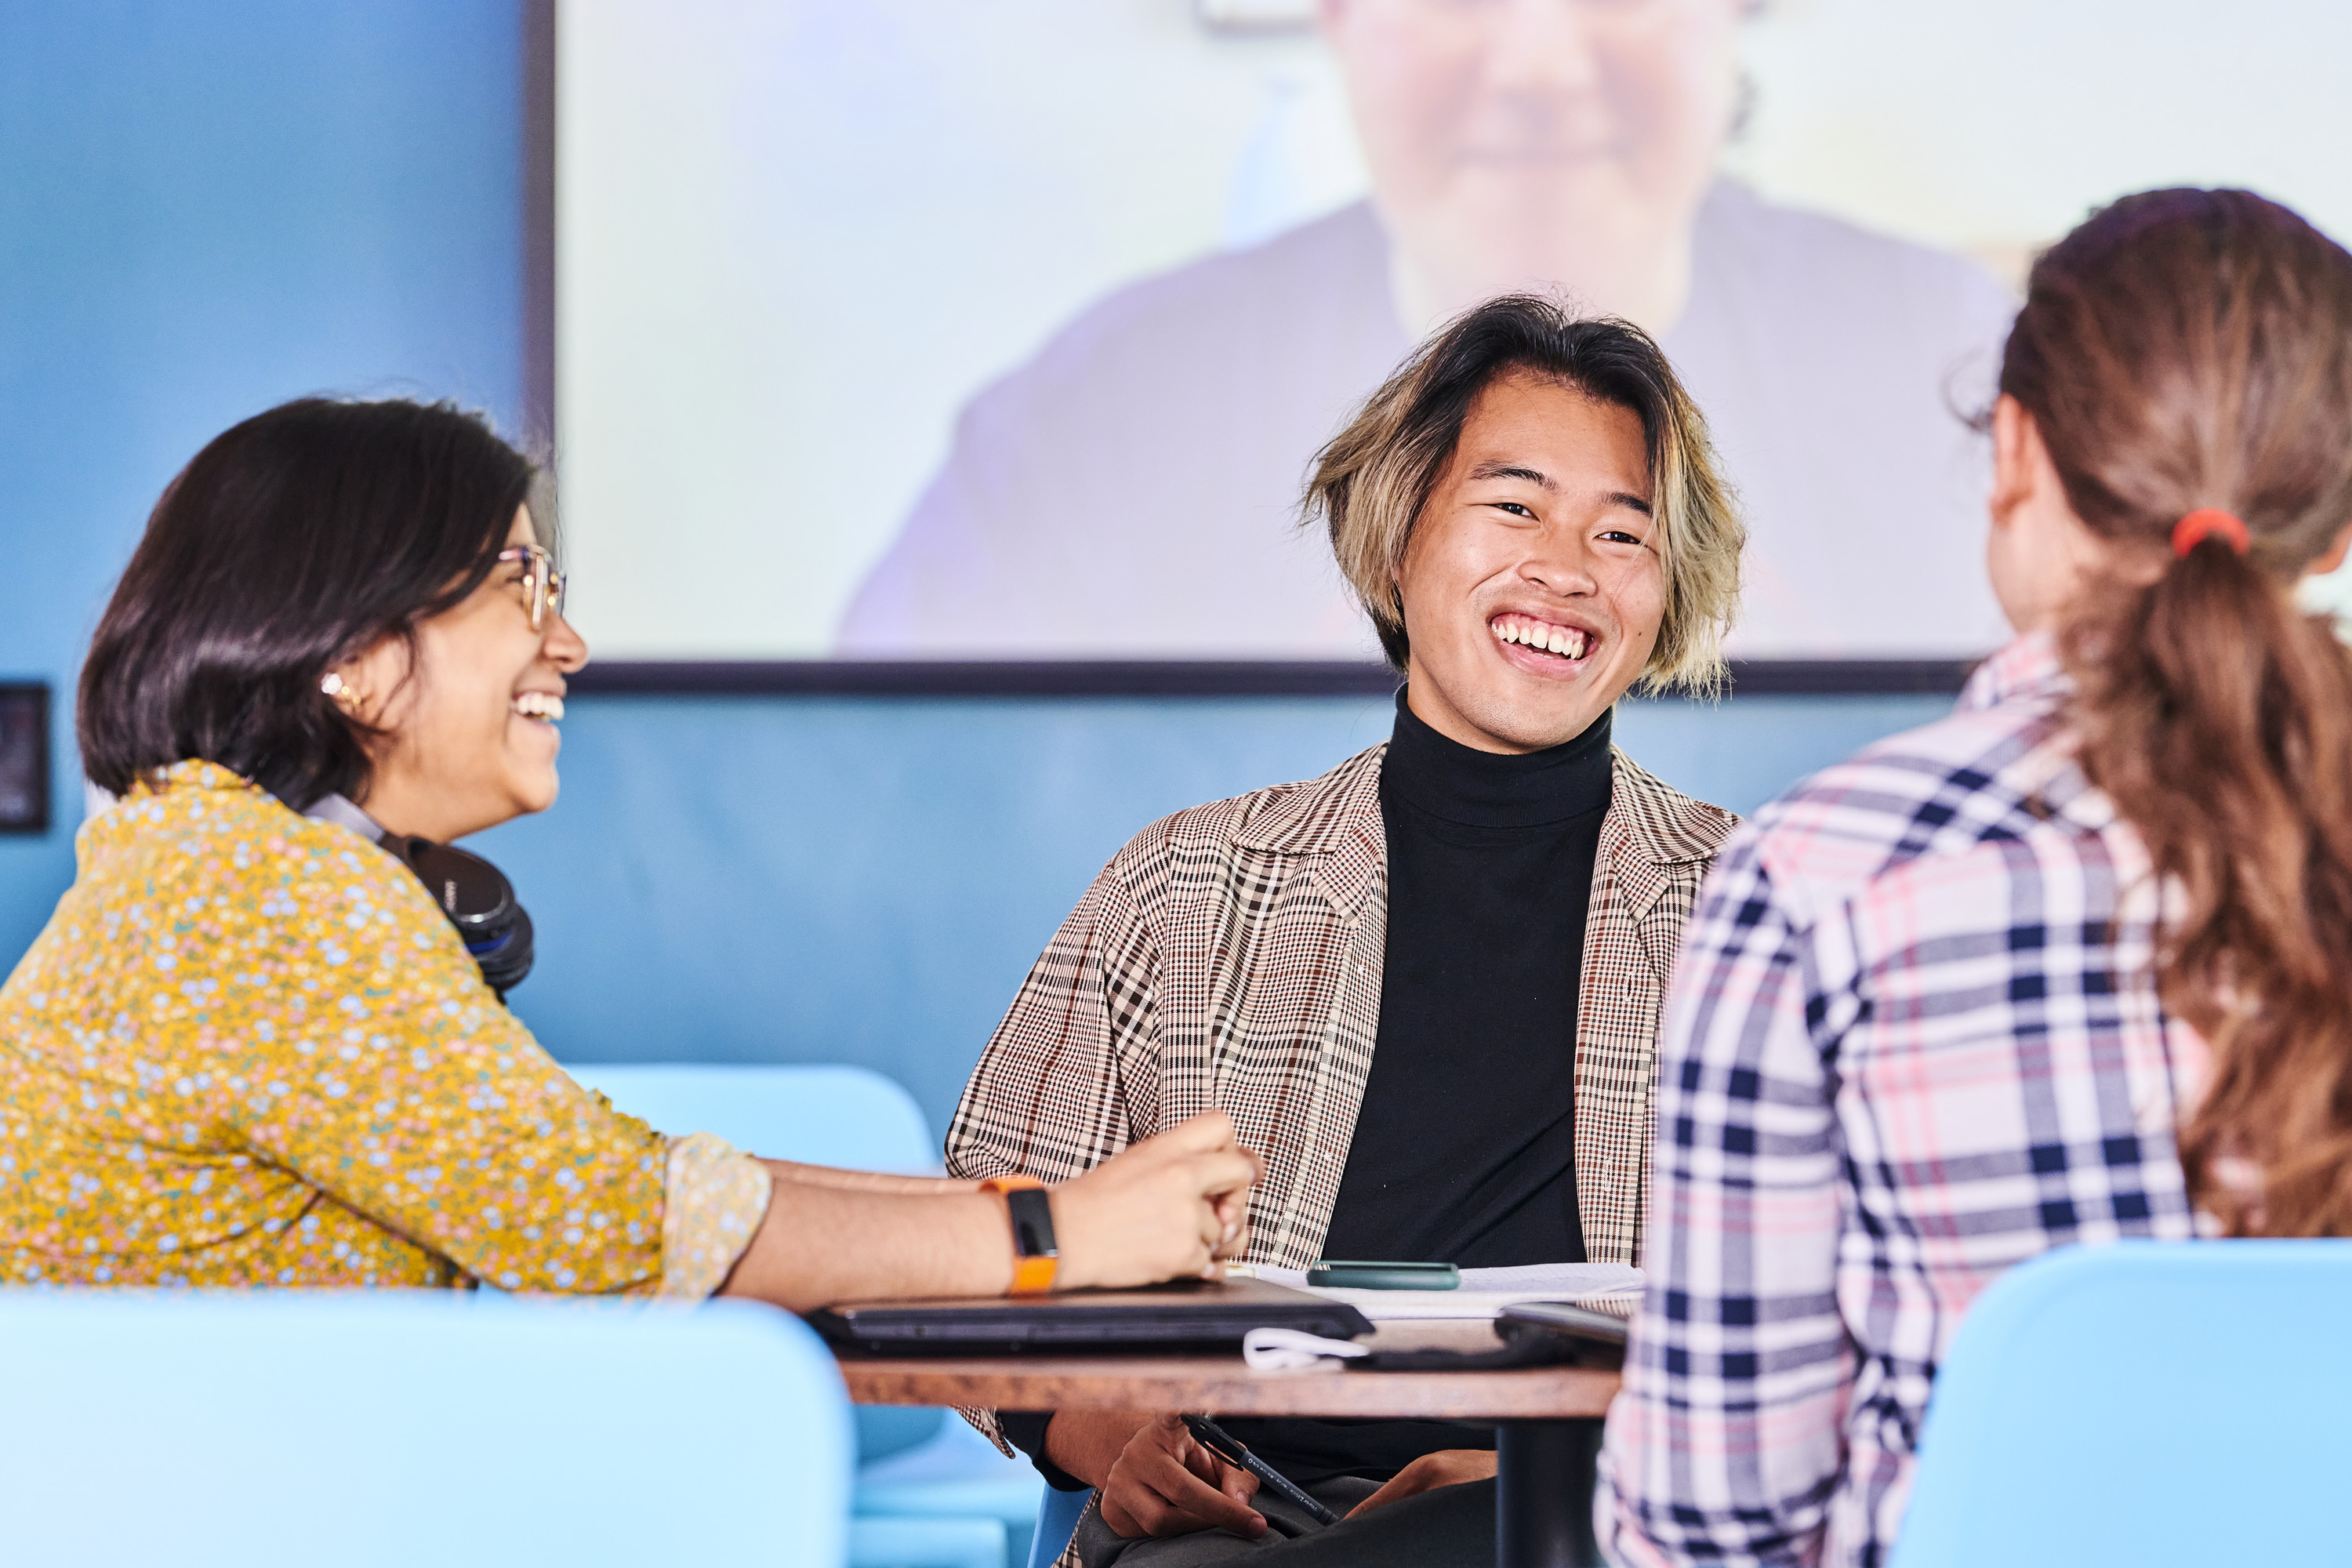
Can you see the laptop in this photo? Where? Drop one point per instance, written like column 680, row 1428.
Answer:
column 1199, row 1315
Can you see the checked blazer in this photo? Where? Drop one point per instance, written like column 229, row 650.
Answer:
column 1231, row 956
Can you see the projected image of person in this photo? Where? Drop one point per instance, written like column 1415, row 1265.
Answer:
column 1128, row 490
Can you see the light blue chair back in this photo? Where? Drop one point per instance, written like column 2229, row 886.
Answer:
column 276, row 1430
column 1058, row 1521
column 819, row 1115
column 2163, row 1404
column 851, row 1117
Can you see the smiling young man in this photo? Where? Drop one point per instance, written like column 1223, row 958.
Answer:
column 1425, row 985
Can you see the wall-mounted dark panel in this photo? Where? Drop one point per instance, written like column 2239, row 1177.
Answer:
column 24, row 757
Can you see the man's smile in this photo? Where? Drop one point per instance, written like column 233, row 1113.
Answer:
column 1555, row 643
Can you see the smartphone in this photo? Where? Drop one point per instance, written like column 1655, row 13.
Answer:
column 1334, row 1274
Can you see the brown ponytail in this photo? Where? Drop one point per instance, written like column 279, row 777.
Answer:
column 2180, row 350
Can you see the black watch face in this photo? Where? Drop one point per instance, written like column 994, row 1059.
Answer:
column 1033, row 1222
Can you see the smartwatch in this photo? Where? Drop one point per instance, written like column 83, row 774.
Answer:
column 1035, row 1259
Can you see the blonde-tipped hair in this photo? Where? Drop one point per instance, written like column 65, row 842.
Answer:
column 1373, row 480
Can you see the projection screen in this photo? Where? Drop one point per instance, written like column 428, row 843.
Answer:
column 928, row 329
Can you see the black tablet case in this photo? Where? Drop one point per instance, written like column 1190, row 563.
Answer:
column 1186, row 1314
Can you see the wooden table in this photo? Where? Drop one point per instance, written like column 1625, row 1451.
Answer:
column 1547, row 1419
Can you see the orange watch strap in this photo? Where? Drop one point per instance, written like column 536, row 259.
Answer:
column 1034, row 1276
column 1033, row 1273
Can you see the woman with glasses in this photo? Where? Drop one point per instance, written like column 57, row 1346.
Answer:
column 251, row 1049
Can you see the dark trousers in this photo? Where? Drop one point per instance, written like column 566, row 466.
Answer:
column 1452, row 1527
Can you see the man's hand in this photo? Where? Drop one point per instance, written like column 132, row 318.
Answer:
column 1087, row 1443
column 1165, row 1484
column 1446, row 1467
column 1233, row 1209
column 1161, row 1209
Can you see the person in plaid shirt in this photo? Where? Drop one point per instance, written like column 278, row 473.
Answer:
column 2066, row 966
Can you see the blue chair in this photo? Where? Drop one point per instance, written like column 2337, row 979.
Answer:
column 274, row 1429
column 956, row 1476
column 931, row 1492
column 2163, row 1404
column 851, row 1117
column 1058, row 1521
column 965, row 1543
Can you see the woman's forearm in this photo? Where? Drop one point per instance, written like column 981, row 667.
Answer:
column 1160, row 1208
column 865, row 1180
column 820, row 1244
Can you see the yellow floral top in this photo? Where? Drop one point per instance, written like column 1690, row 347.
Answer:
column 247, row 1049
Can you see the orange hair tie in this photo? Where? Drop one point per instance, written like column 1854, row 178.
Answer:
column 2206, row 523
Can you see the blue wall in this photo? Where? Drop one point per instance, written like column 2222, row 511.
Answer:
column 209, row 209
column 744, row 879
column 206, row 209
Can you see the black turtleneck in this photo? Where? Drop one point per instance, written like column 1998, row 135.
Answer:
column 1466, row 1148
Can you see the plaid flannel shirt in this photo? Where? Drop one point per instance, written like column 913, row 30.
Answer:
column 1913, row 1039
column 1231, row 956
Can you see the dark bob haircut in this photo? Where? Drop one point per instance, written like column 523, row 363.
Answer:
column 292, row 542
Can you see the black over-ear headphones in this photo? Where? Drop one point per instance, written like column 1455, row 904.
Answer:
column 473, row 894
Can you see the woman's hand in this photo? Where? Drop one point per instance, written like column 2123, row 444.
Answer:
column 1446, row 1467
column 1165, row 1484
column 1166, row 1207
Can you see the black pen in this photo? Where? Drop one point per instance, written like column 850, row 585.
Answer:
column 1236, row 1452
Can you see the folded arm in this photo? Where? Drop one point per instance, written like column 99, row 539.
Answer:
column 1046, row 1099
